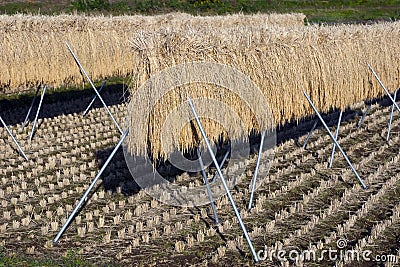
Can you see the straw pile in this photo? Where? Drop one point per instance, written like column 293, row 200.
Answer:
column 33, row 48
column 328, row 62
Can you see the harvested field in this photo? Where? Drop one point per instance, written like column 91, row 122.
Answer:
column 301, row 204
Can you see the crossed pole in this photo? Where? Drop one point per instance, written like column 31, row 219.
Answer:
column 336, row 136
column 220, row 166
column 85, row 195
column 393, row 99
column 13, row 138
column 254, row 180
column 203, row 133
column 123, row 136
column 335, row 141
column 37, row 112
column 216, row 220
column 94, row 98
column 94, row 87
column 30, row 109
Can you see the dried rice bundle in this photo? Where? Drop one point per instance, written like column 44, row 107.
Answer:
column 42, row 23
column 328, row 62
column 34, row 52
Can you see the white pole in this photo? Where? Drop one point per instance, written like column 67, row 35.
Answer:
column 336, row 136
column 363, row 116
column 391, row 117
column 13, row 138
column 30, row 109
column 220, row 166
column 253, row 186
column 309, row 134
column 224, row 182
column 83, row 199
column 384, row 88
column 335, row 141
column 94, row 87
column 37, row 112
column 208, row 187
column 94, row 98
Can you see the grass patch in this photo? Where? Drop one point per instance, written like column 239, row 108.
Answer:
column 316, row 11
column 71, row 259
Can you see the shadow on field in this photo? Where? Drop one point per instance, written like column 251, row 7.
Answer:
column 117, row 173
column 56, row 103
column 293, row 129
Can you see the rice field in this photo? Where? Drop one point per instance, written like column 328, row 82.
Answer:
column 301, row 205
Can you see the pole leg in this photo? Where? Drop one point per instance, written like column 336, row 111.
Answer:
column 224, row 182
column 384, row 88
column 37, row 113
column 254, row 180
column 220, row 166
column 94, row 87
column 336, row 136
column 309, row 134
column 30, row 109
column 363, row 116
column 13, row 138
column 335, row 141
column 216, row 220
column 391, row 117
column 94, row 98
column 83, row 199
